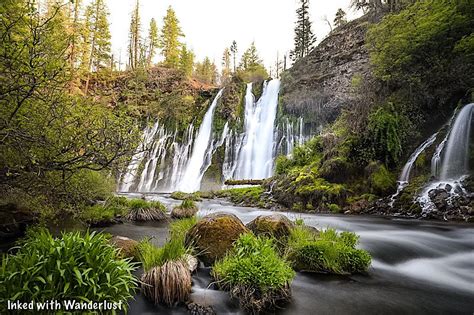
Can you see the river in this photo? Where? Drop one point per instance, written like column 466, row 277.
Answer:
column 418, row 267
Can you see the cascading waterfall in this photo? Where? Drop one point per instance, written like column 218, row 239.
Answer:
column 195, row 168
column 451, row 160
column 455, row 161
column 405, row 175
column 164, row 163
column 436, row 159
column 255, row 159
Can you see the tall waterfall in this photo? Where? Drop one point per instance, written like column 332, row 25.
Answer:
column 405, row 175
column 455, row 162
column 196, row 166
column 255, row 159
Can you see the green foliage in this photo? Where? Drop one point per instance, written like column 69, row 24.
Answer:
column 206, row 71
column 179, row 228
column 251, row 195
column 188, row 204
column 253, row 262
column 136, row 204
column 186, row 61
column 98, row 39
column 385, row 129
column 382, row 181
column 152, row 256
column 74, row 266
column 334, row 208
column 251, row 67
column 328, row 251
column 179, row 195
column 304, row 37
column 170, row 39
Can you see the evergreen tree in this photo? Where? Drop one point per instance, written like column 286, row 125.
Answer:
column 76, row 28
column 98, row 37
column 186, row 61
column 340, row 18
column 206, row 71
column 152, row 41
column 304, row 37
column 226, row 65
column 134, row 45
column 251, row 66
column 170, row 39
column 233, row 50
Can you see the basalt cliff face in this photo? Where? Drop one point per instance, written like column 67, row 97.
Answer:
column 319, row 85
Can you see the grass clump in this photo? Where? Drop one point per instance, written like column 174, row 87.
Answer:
column 167, row 277
column 142, row 210
column 75, row 266
column 179, row 195
column 245, row 195
column 186, row 209
column 179, row 228
column 113, row 207
column 255, row 273
column 326, row 252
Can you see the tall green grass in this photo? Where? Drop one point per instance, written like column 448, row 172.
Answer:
column 79, row 266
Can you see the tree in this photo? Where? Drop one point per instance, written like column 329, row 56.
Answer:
column 152, row 41
column 206, row 71
column 170, row 39
column 52, row 143
column 233, row 50
column 134, row 44
column 251, row 66
column 98, row 37
column 340, row 18
column 186, row 61
column 304, row 37
column 226, row 65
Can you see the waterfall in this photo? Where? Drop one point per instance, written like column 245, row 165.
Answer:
column 195, row 169
column 128, row 177
column 455, row 162
column 436, row 159
column 405, row 175
column 255, row 159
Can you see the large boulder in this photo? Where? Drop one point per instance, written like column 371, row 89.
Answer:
column 276, row 225
column 214, row 234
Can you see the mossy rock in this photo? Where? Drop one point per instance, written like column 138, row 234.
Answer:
column 274, row 225
column 381, row 181
column 214, row 235
column 335, row 170
column 127, row 246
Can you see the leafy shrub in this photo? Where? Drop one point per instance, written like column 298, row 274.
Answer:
column 255, row 273
column 381, row 180
column 328, row 251
column 334, row 208
column 74, row 266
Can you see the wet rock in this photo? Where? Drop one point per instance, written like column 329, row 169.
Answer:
column 192, row 262
column 197, row 309
column 276, row 225
column 214, row 235
column 439, row 197
column 180, row 212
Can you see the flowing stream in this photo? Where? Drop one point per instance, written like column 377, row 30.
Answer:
column 418, row 267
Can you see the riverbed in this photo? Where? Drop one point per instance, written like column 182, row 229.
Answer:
column 418, row 267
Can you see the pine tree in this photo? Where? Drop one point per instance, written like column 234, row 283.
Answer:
column 206, row 71
column 75, row 30
column 251, row 66
column 233, row 50
column 170, row 39
column 186, row 61
column 226, row 65
column 304, row 37
column 134, row 45
column 340, row 18
column 99, row 37
column 152, row 41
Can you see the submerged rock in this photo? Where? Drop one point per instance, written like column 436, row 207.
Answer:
column 214, row 235
column 198, row 309
column 276, row 225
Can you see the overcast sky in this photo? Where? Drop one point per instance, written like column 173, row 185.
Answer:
column 212, row 25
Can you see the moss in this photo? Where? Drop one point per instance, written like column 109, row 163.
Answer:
column 276, row 225
column 179, row 195
column 214, row 234
column 334, row 208
column 246, row 195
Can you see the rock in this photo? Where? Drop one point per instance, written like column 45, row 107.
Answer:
column 197, row 309
column 439, row 197
column 192, row 262
column 448, row 187
column 214, row 234
column 127, row 246
column 180, row 212
column 276, row 225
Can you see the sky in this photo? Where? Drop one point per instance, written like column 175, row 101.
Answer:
column 211, row 25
